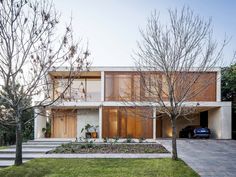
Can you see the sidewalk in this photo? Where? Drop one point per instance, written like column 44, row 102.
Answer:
column 149, row 156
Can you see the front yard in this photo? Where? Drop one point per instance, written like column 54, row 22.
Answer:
column 100, row 168
column 110, row 148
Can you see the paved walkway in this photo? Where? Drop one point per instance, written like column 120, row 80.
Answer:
column 30, row 150
column 132, row 156
column 207, row 157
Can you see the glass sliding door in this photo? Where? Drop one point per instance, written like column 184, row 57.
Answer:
column 127, row 122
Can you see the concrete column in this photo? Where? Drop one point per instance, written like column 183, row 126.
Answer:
column 100, row 122
column 36, row 111
column 226, row 122
column 102, row 99
column 39, row 122
column 218, row 86
column 154, row 122
column 102, row 85
column 220, row 121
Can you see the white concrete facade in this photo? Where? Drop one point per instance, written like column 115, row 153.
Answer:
column 39, row 123
column 219, row 113
column 84, row 117
column 220, row 122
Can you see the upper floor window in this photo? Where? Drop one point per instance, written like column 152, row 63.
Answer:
column 83, row 89
column 122, row 87
column 131, row 86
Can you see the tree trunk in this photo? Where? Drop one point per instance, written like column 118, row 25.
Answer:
column 18, row 159
column 174, row 145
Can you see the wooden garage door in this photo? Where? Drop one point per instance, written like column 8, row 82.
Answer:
column 64, row 124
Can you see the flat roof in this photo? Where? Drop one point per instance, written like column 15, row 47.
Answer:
column 123, row 68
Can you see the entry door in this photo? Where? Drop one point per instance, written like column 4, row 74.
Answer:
column 64, row 124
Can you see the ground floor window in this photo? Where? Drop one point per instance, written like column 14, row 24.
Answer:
column 127, row 122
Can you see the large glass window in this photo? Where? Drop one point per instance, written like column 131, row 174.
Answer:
column 131, row 86
column 124, row 86
column 78, row 90
column 109, row 87
column 61, row 90
column 121, row 86
column 93, row 89
column 83, row 89
column 127, row 122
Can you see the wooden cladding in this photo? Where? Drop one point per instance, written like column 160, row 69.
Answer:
column 131, row 86
column 64, row 123
column 127, row 122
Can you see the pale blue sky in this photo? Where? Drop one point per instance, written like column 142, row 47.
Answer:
column 112, row 26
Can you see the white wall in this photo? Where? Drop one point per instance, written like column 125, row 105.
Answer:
column 39, row 123
column 220, row 122
column 214, row 123
column 84, row 117
column 226, row 122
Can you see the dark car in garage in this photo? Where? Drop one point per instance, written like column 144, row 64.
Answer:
column 195, row 131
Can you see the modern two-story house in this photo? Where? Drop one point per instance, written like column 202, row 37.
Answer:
column 96, row 97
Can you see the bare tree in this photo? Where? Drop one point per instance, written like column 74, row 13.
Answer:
column 172, row 59
column 29, row 48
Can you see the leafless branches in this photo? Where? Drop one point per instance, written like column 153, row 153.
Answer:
column 181, row 52
column 29, row 49
column 172, row 60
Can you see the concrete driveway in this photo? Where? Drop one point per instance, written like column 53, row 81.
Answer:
column 207, row 157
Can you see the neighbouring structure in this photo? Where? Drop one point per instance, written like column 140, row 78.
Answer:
column 97, row 97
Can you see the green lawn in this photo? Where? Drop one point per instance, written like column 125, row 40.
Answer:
column 3, row 147
column 100, row 168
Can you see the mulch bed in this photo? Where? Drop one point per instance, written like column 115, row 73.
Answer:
column 85, row 148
